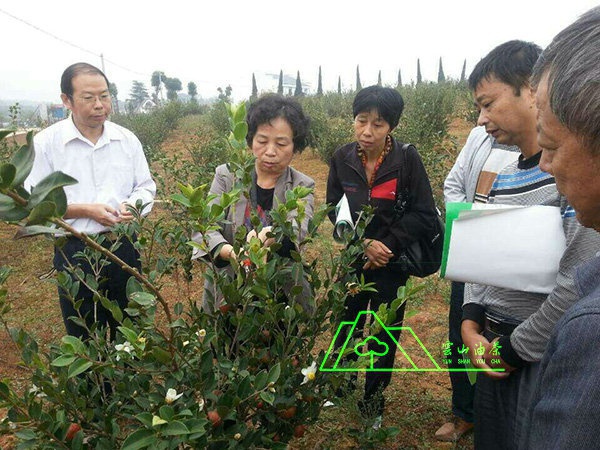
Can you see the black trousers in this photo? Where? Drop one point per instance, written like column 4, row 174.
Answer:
column 463, row 391
column 387, row 283
column 501, row 407
column 113, row 283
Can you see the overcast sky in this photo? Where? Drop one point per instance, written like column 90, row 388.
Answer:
column 215, row 43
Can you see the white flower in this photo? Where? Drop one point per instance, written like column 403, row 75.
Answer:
column 200, row 404
column 237, row 436
column 201, row 333
column 287, row 307
column 37, row 391
column 309, row 373
column 125, row 347
column 185, row 343
column 172, row 395
column 272, row 389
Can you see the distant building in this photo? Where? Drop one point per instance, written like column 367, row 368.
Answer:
column 268, row 82
column 56, row 112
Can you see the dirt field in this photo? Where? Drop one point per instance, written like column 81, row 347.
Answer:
column 417, row 403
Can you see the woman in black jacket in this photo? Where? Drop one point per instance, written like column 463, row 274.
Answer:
column 367, row 172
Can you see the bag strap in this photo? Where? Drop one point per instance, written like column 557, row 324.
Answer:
column 402, row 192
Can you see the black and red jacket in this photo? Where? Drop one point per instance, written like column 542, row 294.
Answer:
column 347, row 176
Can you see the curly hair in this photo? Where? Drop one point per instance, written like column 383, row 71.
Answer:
column 272, row 106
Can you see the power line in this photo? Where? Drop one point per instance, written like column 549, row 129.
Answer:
column 64, row 41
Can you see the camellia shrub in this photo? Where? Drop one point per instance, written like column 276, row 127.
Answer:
column 177, row 375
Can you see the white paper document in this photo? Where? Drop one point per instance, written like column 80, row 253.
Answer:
column 343, row 222
column 506, row 246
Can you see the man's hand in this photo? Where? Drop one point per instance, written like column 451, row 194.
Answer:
column 494, row 360
column 376, row 253
column 103, row 214
column 125, row 214
column 479, row 348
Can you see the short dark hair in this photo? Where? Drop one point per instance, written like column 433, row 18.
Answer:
column 386, row 101
column 511, row 63
column 571, row 65
column 272, row 106
column 66, row 80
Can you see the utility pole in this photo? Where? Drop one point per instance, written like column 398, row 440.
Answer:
column 102, row 60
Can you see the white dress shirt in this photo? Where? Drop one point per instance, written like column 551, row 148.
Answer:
column 111, row 172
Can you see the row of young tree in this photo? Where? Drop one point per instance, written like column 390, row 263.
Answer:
column 139, row 93
column 299, row 91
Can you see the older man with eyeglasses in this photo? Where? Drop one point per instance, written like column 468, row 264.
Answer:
column 112, row 172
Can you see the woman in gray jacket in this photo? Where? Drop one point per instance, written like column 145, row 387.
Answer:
column 277, row 130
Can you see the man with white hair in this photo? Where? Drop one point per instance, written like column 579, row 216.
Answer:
column 564, row 411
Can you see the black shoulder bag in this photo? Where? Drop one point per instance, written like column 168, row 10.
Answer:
column 423, row 257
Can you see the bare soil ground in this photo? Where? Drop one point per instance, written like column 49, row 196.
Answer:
column 417, row 403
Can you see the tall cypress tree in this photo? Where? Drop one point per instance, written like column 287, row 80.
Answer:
column 419, row 78
column 399, row 84
column 463, row 73
column 339, row 84
column 441, row 76
column 298, row 92
column 320, row 84
column 358, row 85
column 254, row 95
column 280, row 85
column 379, row 79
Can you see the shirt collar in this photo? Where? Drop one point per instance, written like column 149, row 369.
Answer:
column 109, row 133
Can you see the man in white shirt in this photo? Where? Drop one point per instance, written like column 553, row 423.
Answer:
column 112, row 172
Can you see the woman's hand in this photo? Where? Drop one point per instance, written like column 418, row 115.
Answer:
column 226, row 253
column 262, row 236
column 376, row 253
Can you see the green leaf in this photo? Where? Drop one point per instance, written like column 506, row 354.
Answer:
column 240, row 131
column 166, row 412
column 35, row 230
column 26, row 435
column 181, row 198
column 63, row 360
column 143, row 298
column 260, row 382
column 7, row 175
column 75, row 344
column 23, row 160
column 42, row 213
column 240, row 113
column 78, row 367
column 268, row 397
column 16, row 214
column 48, row 184
column 274, row 373
column 133, row 285
column 139, row 439
column 4, row 390
column 175, row 428
column 129, row 334
column 59, row 198
column 162, row 356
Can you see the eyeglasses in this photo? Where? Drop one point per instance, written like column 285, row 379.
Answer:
column 91, row 99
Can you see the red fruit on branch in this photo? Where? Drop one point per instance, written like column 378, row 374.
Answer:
column 288, row 413
column 72, row 431
column 299, row 430
column 214, row 417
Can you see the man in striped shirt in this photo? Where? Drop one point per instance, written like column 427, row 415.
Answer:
column 514, row 326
